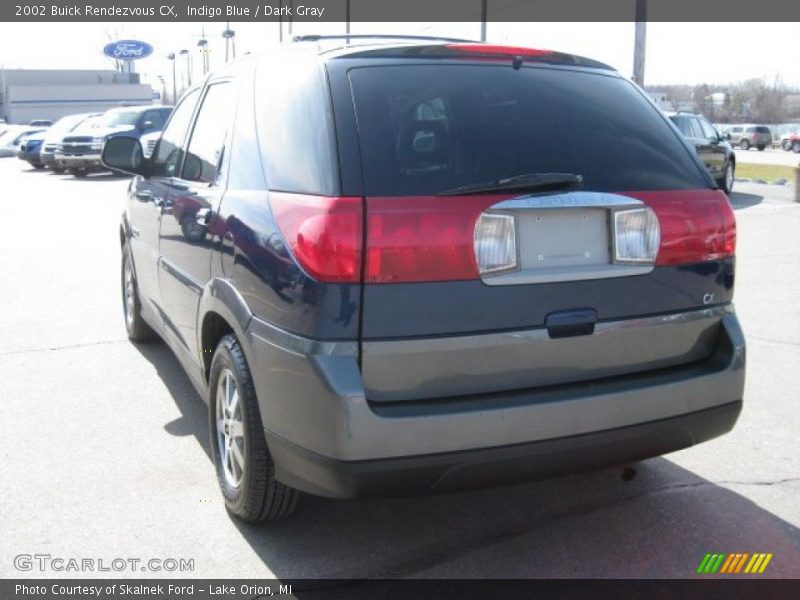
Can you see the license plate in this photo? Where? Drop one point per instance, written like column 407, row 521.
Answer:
column 559, row 238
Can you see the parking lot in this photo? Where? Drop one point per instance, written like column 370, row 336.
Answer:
column 104, row 444
column 769, row 156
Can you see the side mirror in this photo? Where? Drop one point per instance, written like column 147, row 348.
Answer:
column 726, row 136
column 124, row 154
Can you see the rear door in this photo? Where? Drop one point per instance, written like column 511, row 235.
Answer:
column 489, row 291
column 149, row 197
column 185, row 240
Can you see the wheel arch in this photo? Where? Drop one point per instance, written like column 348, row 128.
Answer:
column 222, row 311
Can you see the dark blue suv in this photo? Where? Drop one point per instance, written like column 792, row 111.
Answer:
column 384, row 277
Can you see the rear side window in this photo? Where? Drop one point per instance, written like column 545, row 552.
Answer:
column 762, row 129
column 427, row 128
column 708, row 129
column 751, row 130
column 295, row 126
column 683, row 125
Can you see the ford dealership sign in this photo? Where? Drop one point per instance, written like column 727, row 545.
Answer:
column 128, row 50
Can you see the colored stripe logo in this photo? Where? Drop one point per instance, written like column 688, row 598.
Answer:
column 741, row 562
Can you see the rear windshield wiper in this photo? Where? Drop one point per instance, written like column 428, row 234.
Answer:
column 531, row 182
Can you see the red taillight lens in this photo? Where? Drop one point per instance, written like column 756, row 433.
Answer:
column 418, row 239
column 324, row 234
column 696, row 225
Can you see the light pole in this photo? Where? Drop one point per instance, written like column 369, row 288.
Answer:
column 171, row 57
column 203, row 45
column 188, row 56
column 230, row 42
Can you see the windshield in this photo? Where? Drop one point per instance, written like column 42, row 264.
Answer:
column 425, row 129
column 119, row 117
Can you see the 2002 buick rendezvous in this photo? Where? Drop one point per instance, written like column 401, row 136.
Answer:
column 401, row 266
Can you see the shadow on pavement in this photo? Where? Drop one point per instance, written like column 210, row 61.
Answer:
column 658, row 525
column 741, row 200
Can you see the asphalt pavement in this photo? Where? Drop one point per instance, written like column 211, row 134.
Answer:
column 104, row 448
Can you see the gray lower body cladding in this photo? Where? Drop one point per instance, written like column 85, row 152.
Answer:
column 329, row 438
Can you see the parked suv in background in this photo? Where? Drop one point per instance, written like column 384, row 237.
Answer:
column 384, row 278
column 745, row 136
column 80, row 150
column 712, row 148
column 54, row 135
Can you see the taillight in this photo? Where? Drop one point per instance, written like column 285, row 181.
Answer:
column 324, row 234
column 696, row 225
column 418, row 239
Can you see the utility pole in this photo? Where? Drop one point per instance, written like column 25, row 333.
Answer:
column 347, row 20
column 484, row 17
column 640, row 42
column 280, row 21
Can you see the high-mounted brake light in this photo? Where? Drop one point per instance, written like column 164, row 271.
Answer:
column 495, row 50
column 324, row 234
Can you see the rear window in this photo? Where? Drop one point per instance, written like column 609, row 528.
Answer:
column 428, row 128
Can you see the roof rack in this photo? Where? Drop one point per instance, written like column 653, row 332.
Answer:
column 317, row 38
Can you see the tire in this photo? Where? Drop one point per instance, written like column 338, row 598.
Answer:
column 786, row 145
column 248, row 482
column 760, row 148
column 726, row 183
column 744, row 144
column 796, row 147
column 137, row 328
column 77, row 172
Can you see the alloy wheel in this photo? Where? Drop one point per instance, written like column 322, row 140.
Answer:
column 230, row 429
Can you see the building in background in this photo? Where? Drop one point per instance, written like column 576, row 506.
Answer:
column 28, row 94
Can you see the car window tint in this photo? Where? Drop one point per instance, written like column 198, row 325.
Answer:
column 208, row 136
column 694, row 126
column 295, row 126
column 425, row 129
column 683, row 125
column 708, row 130
column 168, row 152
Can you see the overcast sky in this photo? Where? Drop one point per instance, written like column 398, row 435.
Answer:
column 676, row 52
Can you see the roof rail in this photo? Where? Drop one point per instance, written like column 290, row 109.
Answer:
column 318, row 38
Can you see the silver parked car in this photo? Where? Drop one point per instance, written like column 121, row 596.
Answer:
column 748, row 136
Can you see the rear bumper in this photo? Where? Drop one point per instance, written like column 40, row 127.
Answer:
column 471, row 469
column 327, row 438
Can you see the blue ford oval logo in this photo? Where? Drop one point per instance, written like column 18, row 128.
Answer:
column 128, row 50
